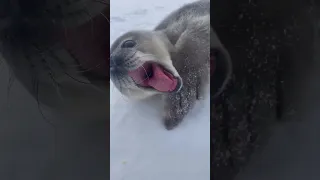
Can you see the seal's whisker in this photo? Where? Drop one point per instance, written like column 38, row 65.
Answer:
column 121, row 90
column 131, row 61
column 64, row 72
column 123, row 83
column 56, row 85
column 55, row 57
column 67, row 74
column 77, row 66
column 77, row 80
column 145, row 55
column 10, row 84
column 62, row 64
column 45, row 52
column 89, row 69
column 91, row 21
column 105, row 17
column 131, row 55
column 147, row 76
column 113, row 89
column 142, row 80
column 113, row 61
column 36, row 88
column 102, row 2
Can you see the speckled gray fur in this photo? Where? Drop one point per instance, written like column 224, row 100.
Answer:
column 192, row 60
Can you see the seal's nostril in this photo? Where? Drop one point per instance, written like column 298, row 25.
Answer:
column 112, row 65
column 116, row 65
column 113, row 61
column 117, row 70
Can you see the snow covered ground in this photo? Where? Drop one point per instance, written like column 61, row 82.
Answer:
column 141, row 148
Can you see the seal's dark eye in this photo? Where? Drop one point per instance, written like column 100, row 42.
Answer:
column 128, row 44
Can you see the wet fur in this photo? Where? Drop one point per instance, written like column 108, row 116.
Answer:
column 185, row 37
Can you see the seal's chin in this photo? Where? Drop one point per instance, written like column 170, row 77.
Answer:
column 152, row 75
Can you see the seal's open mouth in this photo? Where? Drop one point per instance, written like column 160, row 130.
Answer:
column 153, row 75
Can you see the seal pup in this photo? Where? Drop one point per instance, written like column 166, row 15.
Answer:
column 173, row 61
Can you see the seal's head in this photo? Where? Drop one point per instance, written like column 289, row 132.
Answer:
column 141, row 65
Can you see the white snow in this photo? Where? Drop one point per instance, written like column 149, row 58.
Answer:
column 141, row 148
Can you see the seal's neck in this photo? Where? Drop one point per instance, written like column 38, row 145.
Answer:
column 163, row 36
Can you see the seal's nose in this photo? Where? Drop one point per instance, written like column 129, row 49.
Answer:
column 117, row 71
column 116, row 66
column 112, row 70
column 112, row 64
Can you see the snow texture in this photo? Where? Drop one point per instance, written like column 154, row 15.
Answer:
column 141, row 148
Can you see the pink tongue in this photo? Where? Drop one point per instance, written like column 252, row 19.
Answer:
column 160, row 80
